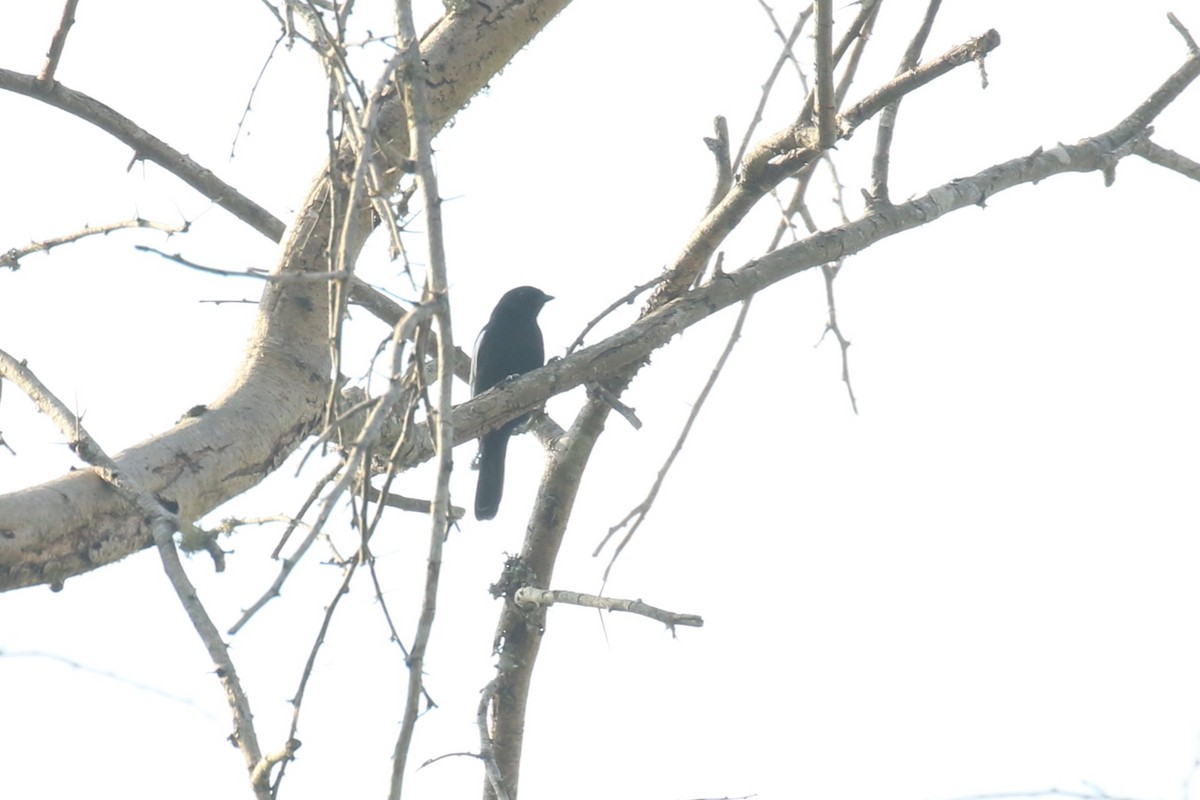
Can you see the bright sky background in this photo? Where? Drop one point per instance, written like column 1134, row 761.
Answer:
column 986, row 581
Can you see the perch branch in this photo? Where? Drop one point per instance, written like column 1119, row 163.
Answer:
column 528, row 597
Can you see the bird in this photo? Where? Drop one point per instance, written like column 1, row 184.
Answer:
column 510, row 344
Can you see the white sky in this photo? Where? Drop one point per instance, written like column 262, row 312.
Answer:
column 986, row 581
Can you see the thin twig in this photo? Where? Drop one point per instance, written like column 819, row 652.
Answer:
column 149, row 148
column 1184, row 32
column 718, row 145
column 437, row 294
column 830, row 272
column 1177, row 162
column 624, row 300
column 288, row 564
column 785, row 152
column 639, row 512
column 46, row 76
column 12, row 258
column 257, row 274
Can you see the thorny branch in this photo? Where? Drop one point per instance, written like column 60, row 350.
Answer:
column 12, row 258
column 887, row 119
column 164, row 524
column 54, row 55
column 785, row 152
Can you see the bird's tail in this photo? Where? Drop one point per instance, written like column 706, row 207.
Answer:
column 490, row 487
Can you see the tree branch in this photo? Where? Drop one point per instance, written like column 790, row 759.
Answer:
column 887, row 119
column 528, row 597
column 147, row 146
column 519, row 634
column 54, row 54
column 72, row 524
column 164, row 522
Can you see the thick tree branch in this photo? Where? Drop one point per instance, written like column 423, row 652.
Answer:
column 528, row 597
column 73, row 524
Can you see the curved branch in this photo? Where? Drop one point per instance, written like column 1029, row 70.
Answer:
column 147, row 146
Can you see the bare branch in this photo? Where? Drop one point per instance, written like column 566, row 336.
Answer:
column 487, row 750
column 887, row 119
column 624, row 300
column 519, row 634
column 61, row 542
column 46, row 76
column 1184, row 32
column 639, row 512
column 785, row 55
column 719, row 145
column 164, row 523
column 825, row 103
column 1167, row 158
column 253, row 90
column 530, row 597
column 420, row 132
column 789, row 150
column 13, row 257
column 612, row 401
column 257, row 274
column 830, row 272
column 148, row 147
column 306, row 674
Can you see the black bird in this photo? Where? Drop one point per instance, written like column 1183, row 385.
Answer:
column 510, row 344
